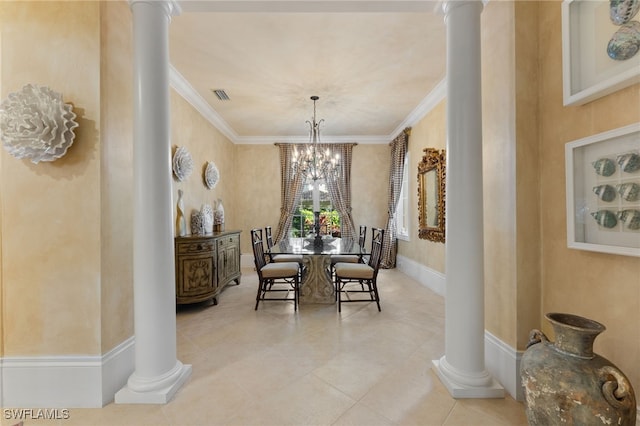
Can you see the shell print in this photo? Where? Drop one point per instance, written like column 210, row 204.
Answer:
column 625, row 42
column 605, row 192
column 630, row 218
column 622, row 11
column 629, row 191
column 605, row 218
column 629, row 162
column 604, row 167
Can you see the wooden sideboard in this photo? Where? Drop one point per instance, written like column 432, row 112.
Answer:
column 205, row 264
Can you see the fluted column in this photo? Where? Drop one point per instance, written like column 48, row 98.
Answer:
column 158, row 374
column 462, row 368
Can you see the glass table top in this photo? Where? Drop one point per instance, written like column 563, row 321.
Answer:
column 325, row 245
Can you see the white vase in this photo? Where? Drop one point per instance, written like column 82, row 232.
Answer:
column 181, row 222
column 197, row 223
column 207, row 211
column 218, row 216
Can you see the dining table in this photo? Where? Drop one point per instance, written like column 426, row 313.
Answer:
column 317, row 284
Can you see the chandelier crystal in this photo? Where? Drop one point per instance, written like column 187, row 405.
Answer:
column 313, row 162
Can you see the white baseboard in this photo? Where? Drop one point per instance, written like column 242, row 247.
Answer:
column 428, row 277
column 503, row 362
column 66, row 381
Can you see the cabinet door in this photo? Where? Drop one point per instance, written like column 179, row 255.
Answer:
column 198, row 275
column 228, row 258
column 196, row 272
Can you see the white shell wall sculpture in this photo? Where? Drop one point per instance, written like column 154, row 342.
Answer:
column 182, row 163
column 211, row 175
column 36, row 124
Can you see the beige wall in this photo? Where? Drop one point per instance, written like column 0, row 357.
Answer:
column 205, row 143
column 602, row 287
column 116, row 171
column 51, row 215
column 369, row 185
column 258, row 171
column 430, row 132
column 499, row 169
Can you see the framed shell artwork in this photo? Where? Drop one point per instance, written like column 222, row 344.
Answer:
column 211, row 175
column 600, row 43
column 182, row 163
column 36, row 124
column 603, row 192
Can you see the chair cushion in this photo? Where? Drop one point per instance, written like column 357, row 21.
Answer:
column 347, row 258
column 287, row 258
column 280, row 270
column 354, row 271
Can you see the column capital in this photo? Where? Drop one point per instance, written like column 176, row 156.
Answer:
column 449, row 5
column 170, row 7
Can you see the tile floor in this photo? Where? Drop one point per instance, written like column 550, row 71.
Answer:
column 314, row 367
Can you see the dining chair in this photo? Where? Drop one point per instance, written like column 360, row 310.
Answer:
column 274, row 277
column 280, row 257
column 350, row 258
column 363, row 274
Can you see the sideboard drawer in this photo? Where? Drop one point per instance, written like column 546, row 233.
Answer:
column 195, row 247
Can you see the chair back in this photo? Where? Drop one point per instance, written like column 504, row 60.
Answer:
column 258, row 250
column 377, row 238
column 268, row 237
column 363, row 236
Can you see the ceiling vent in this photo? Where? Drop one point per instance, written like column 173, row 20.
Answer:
column 221, row 94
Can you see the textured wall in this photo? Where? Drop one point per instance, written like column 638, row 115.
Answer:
column 499, row 168
column 599, row 286
column 116, row 183
column 258, row 195
column 205, row 143
column 51, row 212
column 430, row 132
column 370, row 185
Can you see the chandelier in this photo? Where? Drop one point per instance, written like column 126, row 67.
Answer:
column 313, row 162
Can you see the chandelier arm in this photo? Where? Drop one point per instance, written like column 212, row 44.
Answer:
column 313, row 162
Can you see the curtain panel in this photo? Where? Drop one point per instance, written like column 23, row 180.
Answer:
column 292, row 184
column 340, row 188
column 399, row 148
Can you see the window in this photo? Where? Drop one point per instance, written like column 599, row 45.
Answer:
column 403, row 211
column 315, row 193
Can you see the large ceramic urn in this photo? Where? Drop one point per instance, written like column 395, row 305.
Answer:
column 565, row 383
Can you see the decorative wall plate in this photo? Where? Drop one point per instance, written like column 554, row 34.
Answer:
column 182, row 163
column 211, row 175
column 36, row 124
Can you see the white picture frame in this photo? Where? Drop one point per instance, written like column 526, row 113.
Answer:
column 587, row 71
column 584, row 174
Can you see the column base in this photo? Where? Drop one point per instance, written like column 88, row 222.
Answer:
column 490, row 389
column 160, row 395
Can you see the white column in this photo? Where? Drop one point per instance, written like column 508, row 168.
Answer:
column 158, row 374
column 462, row 368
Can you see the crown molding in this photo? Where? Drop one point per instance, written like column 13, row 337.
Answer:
column 310, row 6
column 427, row 104
column 360, row 139
column 186, row 90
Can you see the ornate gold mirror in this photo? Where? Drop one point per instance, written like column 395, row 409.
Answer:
column 431, row 195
